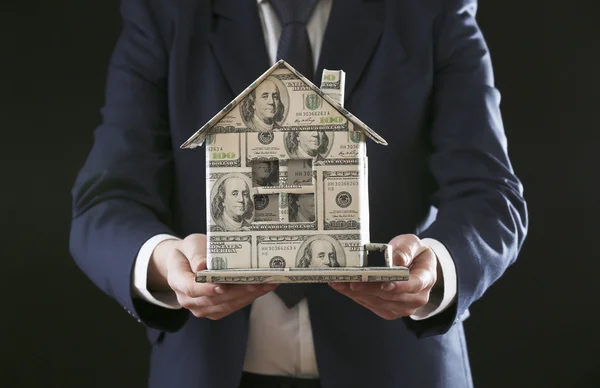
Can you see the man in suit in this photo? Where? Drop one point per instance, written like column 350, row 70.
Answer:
column 446, row 195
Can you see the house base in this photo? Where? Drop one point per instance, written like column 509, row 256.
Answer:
column 303, row 275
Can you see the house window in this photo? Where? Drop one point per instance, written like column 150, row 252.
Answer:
column 301, row 207
column 300, row 172
column 266, row 208
column 289, row 199
column 265, row 173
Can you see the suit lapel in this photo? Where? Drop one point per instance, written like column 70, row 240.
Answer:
column 352, row 34
column 238, row 42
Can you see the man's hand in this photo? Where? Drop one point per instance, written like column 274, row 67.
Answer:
column 392, row 300
column 173, row 266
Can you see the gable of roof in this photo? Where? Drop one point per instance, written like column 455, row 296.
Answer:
column 198, row 138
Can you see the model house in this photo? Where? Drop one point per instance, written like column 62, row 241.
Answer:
column 286, row 176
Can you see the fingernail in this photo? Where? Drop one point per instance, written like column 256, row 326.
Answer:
column 388, row 286
column 219, row 290
column 251, row 287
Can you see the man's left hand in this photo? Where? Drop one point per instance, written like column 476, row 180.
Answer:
column 392, row 300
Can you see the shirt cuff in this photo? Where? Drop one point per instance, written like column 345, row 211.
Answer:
column 166, row 299
column 440, row 297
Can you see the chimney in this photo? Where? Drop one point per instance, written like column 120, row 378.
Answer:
column 333, row 83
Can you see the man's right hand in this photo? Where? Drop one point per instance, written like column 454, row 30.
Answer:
column 172, row 267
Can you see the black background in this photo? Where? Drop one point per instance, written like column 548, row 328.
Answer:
column 536, row 327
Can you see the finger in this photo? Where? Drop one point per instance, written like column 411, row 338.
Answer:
column 183, row 281
column 234, row 292
column 373, row 290
column 405, row 248
column 221, row 310
column 194, row 248
column 423, row 275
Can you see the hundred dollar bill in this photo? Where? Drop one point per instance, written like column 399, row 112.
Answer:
column 332, row 84
column 278, row 251
column 322, row 148
column 353, row 248
column 309, row 251
column 230, row 203
column 304, row 275
column 264, row 145
column 226, row 252
column 223, row 150
column 266, row 208
column 346, row 148
column 341, row 205
column 282, row 102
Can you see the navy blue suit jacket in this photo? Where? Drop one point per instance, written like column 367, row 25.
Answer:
column 418, row 72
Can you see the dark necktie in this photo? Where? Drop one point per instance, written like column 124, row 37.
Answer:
column 294, row 48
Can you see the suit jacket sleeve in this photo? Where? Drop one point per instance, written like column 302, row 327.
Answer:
column 482, row 215
column 121, row 195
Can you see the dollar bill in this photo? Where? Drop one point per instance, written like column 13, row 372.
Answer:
column 226, row 252
column 282, row 102
column 230, row 206
column 304, row 275
column 265, row 145
column 309, row 251
column 224, row 150
column 347, row 148
column 341, row 200
column 322, row 148
column 353, row 248
column 266, row 208
column 278, row 251
column 332, row 84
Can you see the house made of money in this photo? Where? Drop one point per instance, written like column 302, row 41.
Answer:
column 286, row 176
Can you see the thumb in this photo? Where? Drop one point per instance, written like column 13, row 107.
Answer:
column 194, row 249
column 406, row 247
column 198, row 262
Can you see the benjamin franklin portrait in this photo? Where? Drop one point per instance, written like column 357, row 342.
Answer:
column 231, row 205
column 264, row 109
column 265, row 173
column 307, row 144
column 320, row 251
column 301, row 207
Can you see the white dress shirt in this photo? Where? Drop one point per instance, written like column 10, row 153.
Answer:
column 280, row 339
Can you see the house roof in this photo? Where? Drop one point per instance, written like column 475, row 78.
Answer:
column 198, row 138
